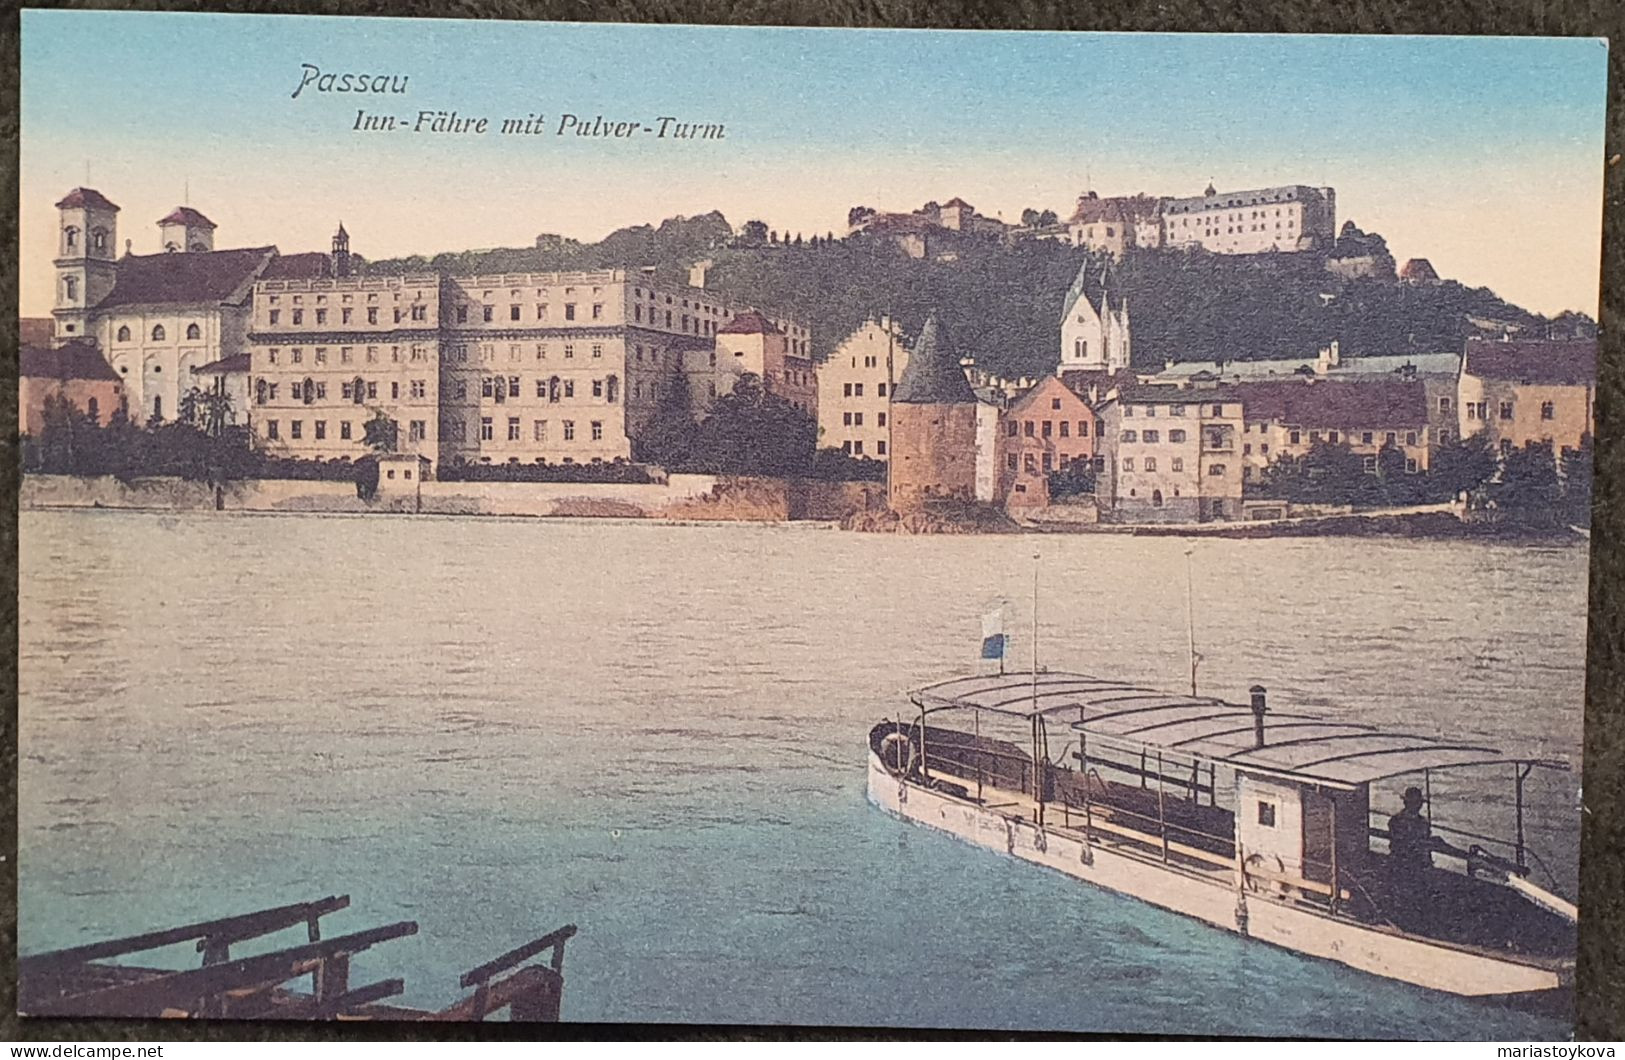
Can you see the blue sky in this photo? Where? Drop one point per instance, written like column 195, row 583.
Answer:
column 1483, row 154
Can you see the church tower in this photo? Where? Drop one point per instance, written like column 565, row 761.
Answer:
column 341, row 252
column 185, row 231
column 86, row 269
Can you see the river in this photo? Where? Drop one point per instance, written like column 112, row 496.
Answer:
column 657, row 732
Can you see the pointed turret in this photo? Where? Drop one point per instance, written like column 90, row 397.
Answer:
column 933, row 375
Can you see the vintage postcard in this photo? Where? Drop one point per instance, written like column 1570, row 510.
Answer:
column 823, row 527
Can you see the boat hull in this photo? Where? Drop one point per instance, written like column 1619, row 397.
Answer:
column 1379, row 951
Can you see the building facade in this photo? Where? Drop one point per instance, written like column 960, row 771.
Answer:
column 1289, row 418
column 1046, row 430
column 1171, row 455
column 1289, row 218
column 933, row 428
column 74, row 371
column 1517, row 392
column 751, row 343
column 1115, row 224
column 1095, row 334
column 855, row 387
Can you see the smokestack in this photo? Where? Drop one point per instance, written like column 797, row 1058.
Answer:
column 1258, row 714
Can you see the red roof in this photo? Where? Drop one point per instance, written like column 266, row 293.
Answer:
column 749, row 322
column 35, row 331
column 74, row 360
column 197, row 277
column 957, row 201
column 1418, row 270
column 1553, row 362
column 312, row 265
column 87, row 198
column 1123, row 208
column 185, row 215
column 1336, row 404
column 238, row 363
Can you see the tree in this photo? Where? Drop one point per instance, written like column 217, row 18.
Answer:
column 1528, row 479
column 753, row 233
column 209, row 410
column 1074, row 479
column 752, row 431
column 859, row 215
column 1460, row 467
column 837, row 465
column 381, row 434
column 669, row 436
column 1577, row 472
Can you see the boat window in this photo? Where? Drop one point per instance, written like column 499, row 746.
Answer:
column 1266, row 814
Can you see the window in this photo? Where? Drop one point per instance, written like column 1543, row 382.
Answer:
column 321, row 429
column 1083, row 428
column 1011, row 462
column 70, row 236
column 1548, row 410
column 1366, row 438
column 513, row 385
column 857, row 419
column 372, row 390
column 485, row 429
column 298, row 355
column 372, row 314
column 569, row 388
column 1391, row 438
column 321, row 316
column 157, row 333
column 1294, row 437
column 394, row 390
column 569, row 352
column 1152, row 436
column 569, row 430
column 513, row 428
column 273, row 429
column 881, row 389
column 538, row 430
column 296, row 428
column 597, row 349
column 485, row 314
column 1410, row 437
column 124, row 336
column 1150, row 462
column 1177, row 463
column 1444, row 405
column 1215, row 471
column 1266, row 814
column 513, row 312
column 1506, row 410
column 344, row 430
column 420, row 388
column 1176, row 436
column 569, row 311
column 321, row 355
column 598, row 431
column 880, row 448
column 1130, row 436
column 1128, row 463
column 598, row 311
column 1054, row 403
column 298, row 316
column 1218, row 410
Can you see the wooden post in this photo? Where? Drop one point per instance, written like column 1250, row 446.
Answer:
column 976, row 716
column 1519, row 775
column 925, row 769
column 1335, row 887
column 1083, row 767
column 1162, row 819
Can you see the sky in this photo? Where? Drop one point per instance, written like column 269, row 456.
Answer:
column 1484, row 155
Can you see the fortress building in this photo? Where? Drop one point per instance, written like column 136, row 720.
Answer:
column 933, row 428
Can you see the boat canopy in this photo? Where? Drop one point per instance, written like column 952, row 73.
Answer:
column 1302, row 747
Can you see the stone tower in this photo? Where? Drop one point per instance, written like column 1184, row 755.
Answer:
column 86, row 269
column 933, row 428
column 185, row 231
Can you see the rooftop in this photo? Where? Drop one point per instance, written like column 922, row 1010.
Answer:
column 1302, row 747
column 1337, row 404
column 185, row 215
column 88, row 198
column 311, row 265
column 203, row 277
column 933, row 375
column 750, row 322
column 74, row 360
column 1554, row 362
column 1252, row 197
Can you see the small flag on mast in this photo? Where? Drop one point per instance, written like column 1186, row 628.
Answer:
column 993, row 634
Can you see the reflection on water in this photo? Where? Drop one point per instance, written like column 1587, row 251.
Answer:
column 494, row 727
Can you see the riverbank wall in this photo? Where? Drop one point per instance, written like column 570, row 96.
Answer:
column 685, row 497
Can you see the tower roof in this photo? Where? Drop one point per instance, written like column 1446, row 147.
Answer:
column 88, row 198
column 933, row 375
column 185, row 215
column 341, row 233
column 749, row 322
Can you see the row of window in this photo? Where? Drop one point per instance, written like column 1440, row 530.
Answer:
column 853, row 389
column 193, row 333
column 855, row 419
column 1176, row 436
column 416, row 430
column 854, row 447
column 1175, row 465
column 457, row 430
column 1048, row 463
column 1150, row 411
column 417, row 312
column 354, row 390
column 1045, row 428
column 1479, row 410
column 318, row 355
column 551, row 389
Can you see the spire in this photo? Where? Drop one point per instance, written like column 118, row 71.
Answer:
column 933, row 375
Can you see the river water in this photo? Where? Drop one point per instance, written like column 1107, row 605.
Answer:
column 494, row 727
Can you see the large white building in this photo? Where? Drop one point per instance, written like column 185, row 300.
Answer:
column 1094, row 323
column 159, row 319
column 1289, row 218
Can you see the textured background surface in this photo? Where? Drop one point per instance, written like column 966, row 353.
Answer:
column 1601, row 994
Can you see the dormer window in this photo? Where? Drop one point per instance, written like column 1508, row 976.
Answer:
column 193, row 332
column 171, row 248
column 157, row 333
column 124, row 334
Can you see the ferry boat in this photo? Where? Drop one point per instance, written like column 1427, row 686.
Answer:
column 1251, row 820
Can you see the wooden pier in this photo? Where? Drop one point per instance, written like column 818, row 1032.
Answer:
column 85, row 981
